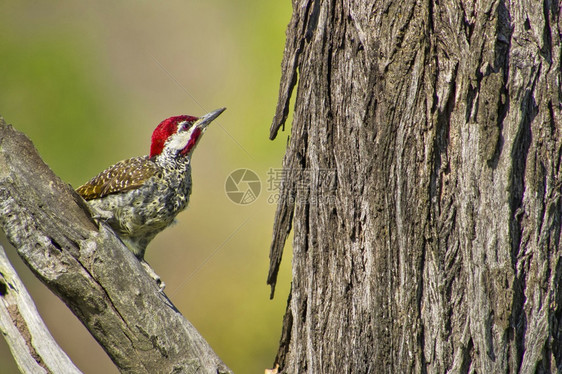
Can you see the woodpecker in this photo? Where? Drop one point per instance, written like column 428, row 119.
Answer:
column 141, row 196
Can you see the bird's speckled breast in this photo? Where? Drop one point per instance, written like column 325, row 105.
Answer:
column 138, row 215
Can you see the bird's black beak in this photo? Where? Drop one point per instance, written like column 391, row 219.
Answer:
column 205, row 120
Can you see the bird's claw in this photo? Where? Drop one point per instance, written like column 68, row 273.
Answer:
column 161, row 285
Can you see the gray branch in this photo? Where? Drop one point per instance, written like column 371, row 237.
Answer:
column 91, row 270
column 31, row 343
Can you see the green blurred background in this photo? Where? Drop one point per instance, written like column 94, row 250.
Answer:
column 89, row 81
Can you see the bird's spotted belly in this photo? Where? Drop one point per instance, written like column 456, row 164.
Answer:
column 142, row 213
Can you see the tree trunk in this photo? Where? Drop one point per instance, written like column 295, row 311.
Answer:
column 423, row 184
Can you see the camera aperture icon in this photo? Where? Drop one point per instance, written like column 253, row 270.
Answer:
column 242, row 186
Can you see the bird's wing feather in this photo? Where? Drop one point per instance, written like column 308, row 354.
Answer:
column 123, row 176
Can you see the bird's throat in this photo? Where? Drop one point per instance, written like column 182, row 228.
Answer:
column 195, row 134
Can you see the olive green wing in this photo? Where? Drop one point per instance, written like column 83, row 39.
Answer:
column 124, row 176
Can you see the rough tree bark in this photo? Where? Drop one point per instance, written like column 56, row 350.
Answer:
column 91, row 270
column 29, row 339
column 436, row 246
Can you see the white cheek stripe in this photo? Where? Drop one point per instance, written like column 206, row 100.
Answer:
column 179, row 140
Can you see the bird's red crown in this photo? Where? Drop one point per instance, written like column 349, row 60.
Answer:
column 165, row 129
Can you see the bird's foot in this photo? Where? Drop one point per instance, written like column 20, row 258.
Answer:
column 161, row 285
column 101, row 216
